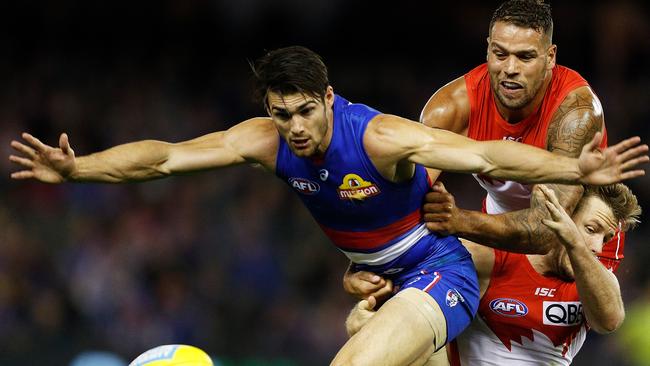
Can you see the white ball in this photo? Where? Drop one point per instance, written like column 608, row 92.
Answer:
column 173, row 355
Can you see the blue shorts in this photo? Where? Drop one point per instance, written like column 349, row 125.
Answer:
column 453, row 285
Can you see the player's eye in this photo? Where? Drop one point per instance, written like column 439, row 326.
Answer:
column 282, row 115
column 500, row 55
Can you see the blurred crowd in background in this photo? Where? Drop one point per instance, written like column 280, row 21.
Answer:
column 229, row 260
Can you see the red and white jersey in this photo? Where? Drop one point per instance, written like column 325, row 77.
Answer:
column 524, row 318
column 486, row 123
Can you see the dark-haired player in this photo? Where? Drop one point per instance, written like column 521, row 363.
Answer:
column 361, row 174
column 520, row 94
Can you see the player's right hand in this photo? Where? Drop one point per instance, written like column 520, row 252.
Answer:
column 360, row 315
column 363, row 285
column 43, row 162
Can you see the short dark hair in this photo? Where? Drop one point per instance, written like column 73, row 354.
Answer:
column 534, row 14
column 289, row 70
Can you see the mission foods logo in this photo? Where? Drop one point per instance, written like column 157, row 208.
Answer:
column 304, row 186
column 355, row 188
column 509, row 307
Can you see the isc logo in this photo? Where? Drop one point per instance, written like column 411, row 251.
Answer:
column 304, row 186
column 509, row 307
column 562, row 313
column 543, row 291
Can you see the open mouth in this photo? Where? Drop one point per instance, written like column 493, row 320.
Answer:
column 300, row 143
column 511, row 85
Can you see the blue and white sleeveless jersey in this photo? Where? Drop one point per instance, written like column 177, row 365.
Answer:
column 376, row 223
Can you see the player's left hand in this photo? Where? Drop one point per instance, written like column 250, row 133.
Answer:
column 613, row 164
column 360, row 315
column 363, row 284
column 560, row 221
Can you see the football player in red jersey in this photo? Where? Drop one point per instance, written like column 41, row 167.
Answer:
column 536, row 309
column 519, row 94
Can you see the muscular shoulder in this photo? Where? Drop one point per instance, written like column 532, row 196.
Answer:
column 387, row 130
column 392, row 137
column 575, row 122
column 448, row 108
column 257, row 140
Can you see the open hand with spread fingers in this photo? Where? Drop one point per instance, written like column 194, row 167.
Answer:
column 560, row 221
column 43, row 162
column 613, row 164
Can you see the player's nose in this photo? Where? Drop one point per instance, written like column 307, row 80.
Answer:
column 511, row 66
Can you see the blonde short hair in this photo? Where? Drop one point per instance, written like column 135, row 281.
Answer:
column 621, row 200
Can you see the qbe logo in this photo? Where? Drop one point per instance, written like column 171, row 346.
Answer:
column 563, row 313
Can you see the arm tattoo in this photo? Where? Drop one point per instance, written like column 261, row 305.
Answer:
column 573, row 125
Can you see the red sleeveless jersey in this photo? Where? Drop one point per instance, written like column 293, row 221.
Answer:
column 486, row 123
column 524, row 318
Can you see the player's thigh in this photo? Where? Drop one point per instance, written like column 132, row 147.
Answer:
column 455, row 289
column 401, row 333
column 438, row 358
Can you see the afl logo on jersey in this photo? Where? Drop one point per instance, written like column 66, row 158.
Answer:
column 509, row 307
column 304, row 186
column 356, row 188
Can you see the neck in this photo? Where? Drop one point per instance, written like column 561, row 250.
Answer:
column 327, row 139
column 549, row 264
column 546, row 264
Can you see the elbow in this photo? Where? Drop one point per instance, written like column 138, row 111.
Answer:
column 611, row 323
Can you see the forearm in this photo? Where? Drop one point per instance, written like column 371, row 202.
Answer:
column 510, row 232
column 136, row 161
column 598, row 289
column 508, row 160
column 519, row 231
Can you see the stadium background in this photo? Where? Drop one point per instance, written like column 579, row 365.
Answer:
column 229, row 260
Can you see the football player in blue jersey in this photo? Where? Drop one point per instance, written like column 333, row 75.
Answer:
column 361, row 175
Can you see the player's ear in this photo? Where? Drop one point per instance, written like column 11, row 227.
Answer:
column 487, row 49
column 329, row 96
column 551, row 56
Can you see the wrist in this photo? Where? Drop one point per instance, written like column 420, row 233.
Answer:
column 461, row 223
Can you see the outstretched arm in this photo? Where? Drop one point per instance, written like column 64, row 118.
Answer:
column 574, row 124
column 598, row 288
column 390, row 140
column 253, row 141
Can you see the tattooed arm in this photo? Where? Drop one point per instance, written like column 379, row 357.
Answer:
column 573, row 125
